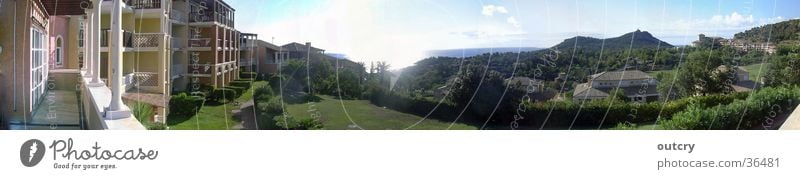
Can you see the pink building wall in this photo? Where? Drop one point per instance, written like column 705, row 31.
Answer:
column 59, row 27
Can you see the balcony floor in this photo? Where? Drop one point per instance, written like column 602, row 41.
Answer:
column 59, row 111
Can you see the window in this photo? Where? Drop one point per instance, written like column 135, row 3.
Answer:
column 59, row 53
column 38, row 65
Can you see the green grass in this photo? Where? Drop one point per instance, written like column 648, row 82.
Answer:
column 365, row 114
column 754, row 71
column 212, row 116
column 654, row 73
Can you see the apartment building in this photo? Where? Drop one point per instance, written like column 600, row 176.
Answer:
column 258, row 56
column 296, row 50
column 636, row 85
column 205, row 44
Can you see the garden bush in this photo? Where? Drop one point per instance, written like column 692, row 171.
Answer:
column 225, row 94
column 289, row 122
column 239, row 90
column 184, row 105
column 263, row 93
column 763, row 105
column 243, row 84
column 610, row 113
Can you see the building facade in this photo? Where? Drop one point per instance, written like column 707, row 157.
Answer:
column 636, row 85
column 24, row 56
column 205, row 44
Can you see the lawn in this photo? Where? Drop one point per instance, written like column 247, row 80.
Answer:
column 654, row 73
column 364, row 114
column 213, row 115
column 754, row 69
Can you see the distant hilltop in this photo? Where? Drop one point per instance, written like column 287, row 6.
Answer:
column 470, row 52
column 636, row 39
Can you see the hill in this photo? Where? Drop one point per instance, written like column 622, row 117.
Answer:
column 470, row 52
column 778, row 32
column 636, row 39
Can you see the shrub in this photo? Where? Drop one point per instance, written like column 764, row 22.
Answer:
column 271, row 108
column 184, row 105
column 289, row 122
column 225, row 94
column 143, row 112
column 243, row 84
column 764, row 104
column 156, row 126
column 263, row 93
column 239, row 90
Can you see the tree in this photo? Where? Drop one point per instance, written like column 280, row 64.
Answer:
column 700, row 74
column 471, row 80
column 348, row 85
column 784, row 70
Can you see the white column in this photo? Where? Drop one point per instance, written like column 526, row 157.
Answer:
column 87, row 43
column 116, row 109
column 96, row 45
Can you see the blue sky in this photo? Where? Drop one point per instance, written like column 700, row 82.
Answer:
column 400, row 31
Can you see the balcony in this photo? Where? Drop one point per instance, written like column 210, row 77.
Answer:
column 178, row 16
column 147, row 39
column 142, row 4
column 200, row 70
column 127, row 38
column 247, row 62
column 178, row 42
column 212, row 17
column 134, row 40
column 140, row 79
column 178, row 70
column 200, row 42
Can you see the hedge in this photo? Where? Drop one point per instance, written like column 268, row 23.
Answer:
column 248, row 75
column 592, row 114
column 243, row 84
column 184, row 105
column 765, row 104
column 226, row 94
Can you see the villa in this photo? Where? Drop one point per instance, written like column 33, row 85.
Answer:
column 636, row 85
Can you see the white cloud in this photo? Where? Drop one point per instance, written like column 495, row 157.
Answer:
column 513, row 21
column 490, row 10
column 734, row 19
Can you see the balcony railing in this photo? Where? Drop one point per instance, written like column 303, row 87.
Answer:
column 200, row 42
column 141, row 79
column 142, row 4
column 131, row 40
column 147, row 39
column 211, row 17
